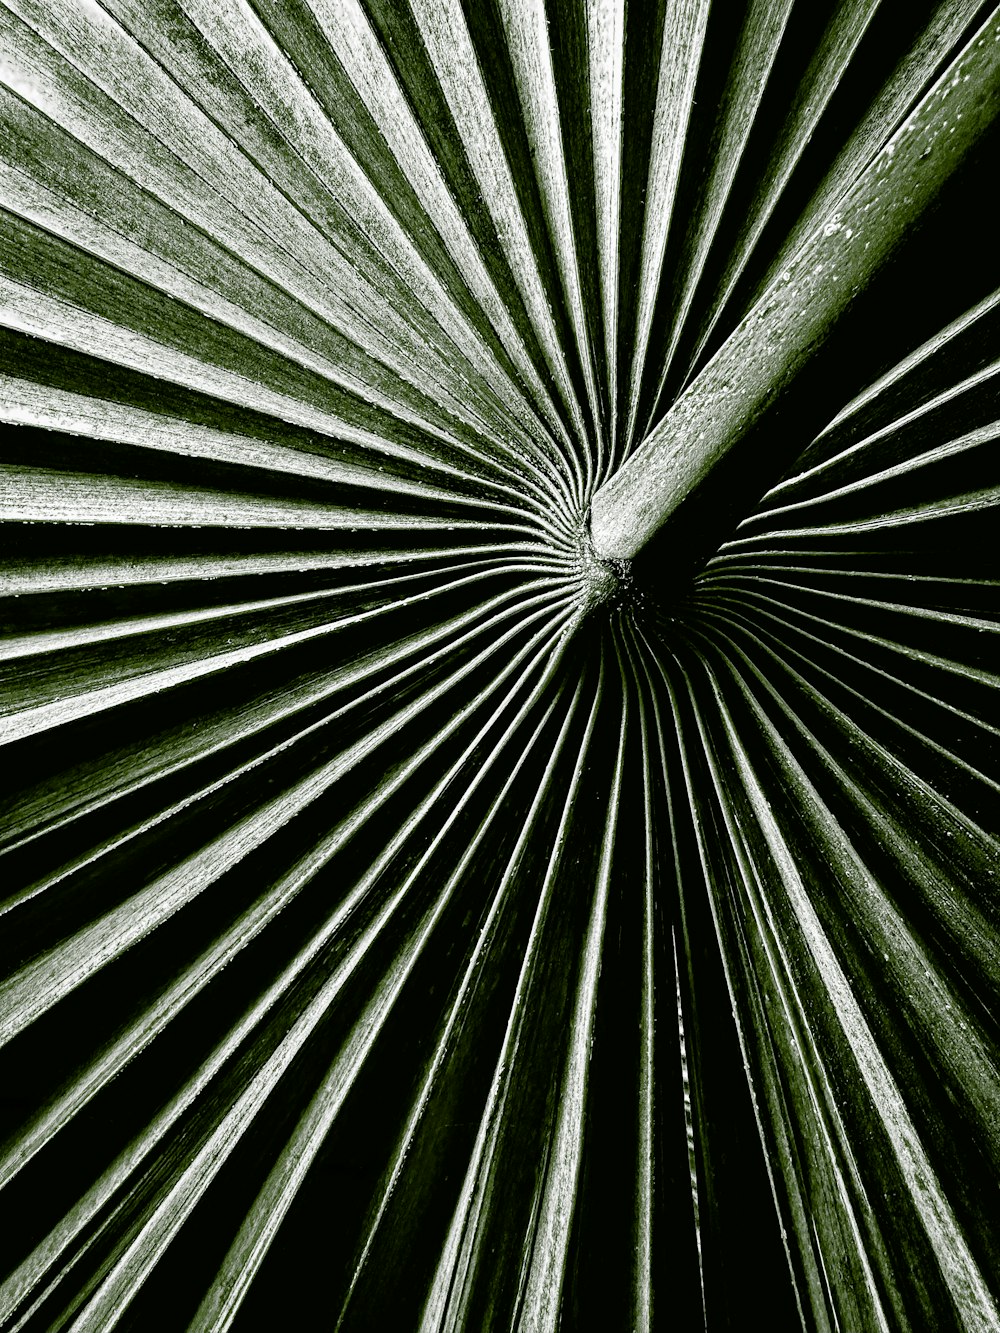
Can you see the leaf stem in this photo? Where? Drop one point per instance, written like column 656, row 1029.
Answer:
column 799, row 310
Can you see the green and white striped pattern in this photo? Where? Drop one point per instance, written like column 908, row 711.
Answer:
column 500, row 662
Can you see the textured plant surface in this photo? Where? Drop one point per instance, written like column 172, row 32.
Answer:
column 499, row 706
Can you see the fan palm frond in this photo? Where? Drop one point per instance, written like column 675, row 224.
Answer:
column 500, row 665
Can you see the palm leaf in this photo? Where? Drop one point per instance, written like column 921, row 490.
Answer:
column 500, row 664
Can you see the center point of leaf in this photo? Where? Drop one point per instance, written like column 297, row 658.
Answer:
column 604, row 580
